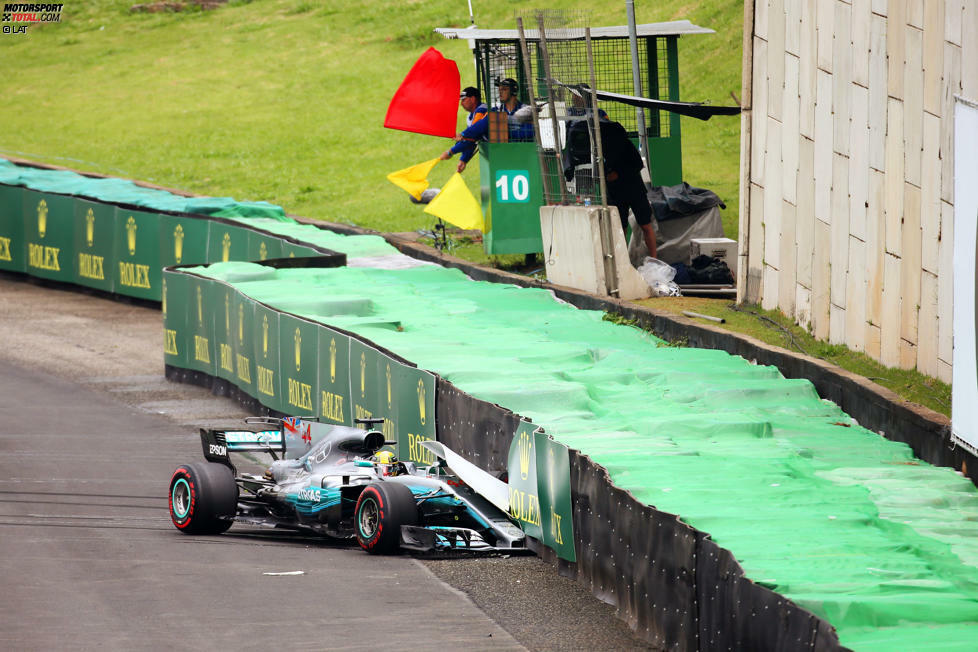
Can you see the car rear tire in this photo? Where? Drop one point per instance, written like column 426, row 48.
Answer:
column 203, row 498
column 381, row 511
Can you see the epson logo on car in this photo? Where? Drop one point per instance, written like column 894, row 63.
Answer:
column 217, row 449
column 309, row 495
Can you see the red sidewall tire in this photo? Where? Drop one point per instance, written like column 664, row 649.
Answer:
column 203, row 498
column 395, row 506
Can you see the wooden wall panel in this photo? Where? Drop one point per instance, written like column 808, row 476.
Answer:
column 969, row 50
column 825, row 25
column 894, row 178
column 840, row 228
column 913, row 106
column 877, row 92
column 910, row 263
column 837, row 325
column 890, row 322
column 855, row 337
column 841, row 75
column 875, row 227
column 823, row 146
column 933, row 55
column 896, row 42
column 769, row 300
column 820, row 280
column 760, row 18
column 775, row 58
column 915, row 13
column 858, row 160
column 945, row 288
column 792, row 26
column 772, row 198
column 952, row 21
column 807, row 64
column 951, row 86
column 859, row 33
column 758, row 125
column 786, row 273
column 930, row 194
column 805, row 213
column 755, row 271
column 803, row 306
column 927, row 325
column 789, row 131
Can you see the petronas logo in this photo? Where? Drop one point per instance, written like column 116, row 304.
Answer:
column 332, row 360
column 298, row 349
column 90, row 227
column 200, row 307
column 241, row 323
column 388, row 385
column 422, row 395
column 178, row 243
column 42, row 218
column 526, row 448
column 263, row 252
column 131, row 235
column 227, row 314
column 264, row 336
column 363, row 374
column 226, row 247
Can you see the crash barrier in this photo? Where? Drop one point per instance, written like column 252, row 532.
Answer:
column 115, row 236
column 809, row 503
column 828, row 514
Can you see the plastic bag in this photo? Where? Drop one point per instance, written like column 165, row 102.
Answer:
column 659, row 275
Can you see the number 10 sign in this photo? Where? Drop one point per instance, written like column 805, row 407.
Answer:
column 512, row 186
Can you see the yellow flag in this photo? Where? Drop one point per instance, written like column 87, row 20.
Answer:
column 455, row 204
column 413, row 179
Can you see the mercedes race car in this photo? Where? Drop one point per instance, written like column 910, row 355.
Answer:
column 342, row 482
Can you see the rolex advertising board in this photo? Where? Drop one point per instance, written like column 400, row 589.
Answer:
column 221, row 304
column 414, row 409
column 226, row 243
column 266, row 356
column 243, row 328
column 175, row 305
column 183, row 240
column 136, row 270
column 524, row 500
column 299, row 357
column 49, row 234
column 553, row 489
column 263, row 247
column 12, row 249
column 370, row 379
column 539, row 489
column 334, row 377
column 94, row 246
column 200, row 324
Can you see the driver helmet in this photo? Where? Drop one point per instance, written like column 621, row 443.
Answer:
column 386, row 463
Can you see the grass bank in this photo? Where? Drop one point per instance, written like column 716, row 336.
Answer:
column 284, row 100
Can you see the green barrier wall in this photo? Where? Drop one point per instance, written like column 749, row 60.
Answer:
column 335, row 404
column 49, row 233
column 137, row 254
column 12, row 256
column 182, row 240
column 266, row 356
column 94, row 245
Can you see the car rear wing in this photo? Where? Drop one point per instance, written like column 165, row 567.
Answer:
column 218, row 443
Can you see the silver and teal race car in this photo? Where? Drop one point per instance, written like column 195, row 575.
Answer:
column 342, row 482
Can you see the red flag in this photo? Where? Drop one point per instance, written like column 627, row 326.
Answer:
column 427, row 101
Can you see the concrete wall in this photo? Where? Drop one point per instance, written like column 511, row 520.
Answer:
column 847, row 169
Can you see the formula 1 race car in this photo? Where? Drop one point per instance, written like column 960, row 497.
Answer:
column 344, row 484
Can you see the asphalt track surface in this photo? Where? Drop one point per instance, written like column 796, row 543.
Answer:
column 90, row 432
